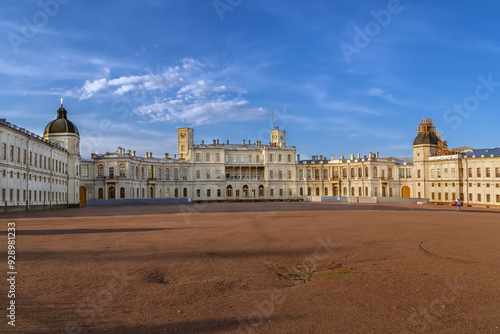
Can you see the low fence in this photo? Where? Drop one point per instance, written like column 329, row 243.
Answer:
column 369, row 199
column 139, row 201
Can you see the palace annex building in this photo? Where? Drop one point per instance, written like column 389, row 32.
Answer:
column 48, row 172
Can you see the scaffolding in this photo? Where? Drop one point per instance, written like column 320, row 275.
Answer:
column 427, row 127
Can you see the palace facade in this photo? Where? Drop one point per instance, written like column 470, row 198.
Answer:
column 49, row 172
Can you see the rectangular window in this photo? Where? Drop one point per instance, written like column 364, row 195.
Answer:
column 208, row 174
column 11, row 153
column 198, row 174
column 289, row 174
column 418, row 173
column 470, row 172
column 234, row 157
column 197, row 157
column 4, row 151
column 432, row 173
column 487, row 172
column 257, row 158
column 401, row 173
column 470, row 197
column 271, row 192
column 85, row 171
column 227, row 157
column 270, row 158
column 250, row 158
column 488, row 198
column 479, row 197
column 281, row 192
column 18, row 155
column 289, row 158
column 432, row 196
column 408, row 173
column 497, row 171
column 207, row 157
column 217, row 157
column 439, row 173
column 446, row 172
column 453, row 172
column 271, row 174
column 198, row 192
column 218, row 192
column 439, row 196
column 498, row 198
column 24, row 157
column 279, row 157
column 242, row 158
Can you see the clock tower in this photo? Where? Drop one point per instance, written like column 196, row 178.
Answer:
column 185, row 140
column 278, row 137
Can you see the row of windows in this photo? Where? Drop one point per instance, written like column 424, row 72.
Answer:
column 35, row 160
column 470, row 172
column 54, row 196
column 11, row 174
column 355, row 172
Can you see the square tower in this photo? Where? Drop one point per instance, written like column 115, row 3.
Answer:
column 185, row 140
column 278, row 138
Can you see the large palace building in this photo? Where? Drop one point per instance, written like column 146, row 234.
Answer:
column 49, row 172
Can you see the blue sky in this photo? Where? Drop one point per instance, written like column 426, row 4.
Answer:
column 342, row 76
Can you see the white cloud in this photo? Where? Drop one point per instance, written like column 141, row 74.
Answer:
column 91, row 87
column 381, row 93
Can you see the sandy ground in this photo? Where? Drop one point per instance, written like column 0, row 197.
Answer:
column 255, row 268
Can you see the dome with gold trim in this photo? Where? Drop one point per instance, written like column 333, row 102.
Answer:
column 61, row 124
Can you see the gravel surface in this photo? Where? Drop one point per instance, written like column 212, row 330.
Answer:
column 255, row 268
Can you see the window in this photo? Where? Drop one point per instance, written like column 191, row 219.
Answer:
column 439, row 173
column 85, row 171
column 352, row 173
column 218, row 192
column 281, row 192
column 234, row 157
column 301, row 191
column 197, row 157
column 176, row 192
column 289, row 174
column 250, row 158
column 185, row 192
column 227, row 157
column 24, row 157
column 446, row 172
column 317, row 191
column 198, row 193
column 488, row 198
column 257, row 158
column 217, row 157
column 478, row 172
column 167, row 173
column 479, row 197
column 100, row 170
column 498, row 198
column 111, row 172
column 408, row 173
column 11, row 153
column 279, row 157
column 242, row 158
column 122, row 170
column 326, row 191
column 470, row 172
column 270, row 158
column 374, row 171
column 122, row 192
column 100, row 193
column 208, row 174
column 208, row 192
column 207, row 157
column 280, row 175
column 487, row 172
column 271, row 192
column 197, row 174
column 497, row 171
column 289, row 158
column 270, row 174
column 309, row 191
column 418, row 173
column 184, row 175
column 301, row 174
column 401, row 173
column 4, row 151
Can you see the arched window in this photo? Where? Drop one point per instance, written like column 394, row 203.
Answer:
column 245, row 191
column 100, row 170
column 309, row 191
column 335, row 191
column 301, row 174
column 143, row 193
column 352, row 173
column 100, row 193
column 159, row 192
column 317, row 190
column 184, row 174
column 176, row 192
column 184, row 192
column 261, row 191
column 375, row 172
column 137, row 174
column 137, row 193
column 316, row 173
column 326, row 191
column 308, row 173
column 167, row 193
column 122, row 170
column 366, row 191
column 389, row 172
column 229, row 191
column 151, row 192
column 158, row 174
column 375, row 191
column 167, row 173
column 345, row 191
column 325, row 173
column 352, row 191
column 122, row 192
column 360, row 192
column 366, row 172
column 344, row 172
column 142, row 173
column 360, row 172
column 176, row 174
column 301, row 191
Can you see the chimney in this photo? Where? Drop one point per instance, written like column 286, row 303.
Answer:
column 202, row 142
column 243, row 141
column 217, row 141
column 165, row 156
column 298, row 157
column 359, row 156
column 227, row 142
column 341, row 157
column 128, row 152
column 147, row 154
column 214, row 141
column 376, row 155
column 249, row 142
column 370, row 155
column 352, row 156
column 133, row 153
column 333, row 157
column 175, row 156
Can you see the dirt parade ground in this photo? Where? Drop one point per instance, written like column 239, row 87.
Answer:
column 253, row 268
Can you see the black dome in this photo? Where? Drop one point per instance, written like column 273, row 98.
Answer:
column 62, row 124
column 426, row 139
